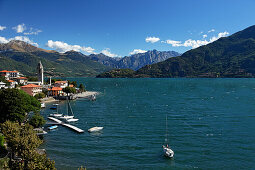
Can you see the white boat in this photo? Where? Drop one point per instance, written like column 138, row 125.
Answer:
column 93, row 97
column 72, row 120
column 168, row 152
column 95, row 129
column 56, row 114
column 66, row 117
column 43, row 105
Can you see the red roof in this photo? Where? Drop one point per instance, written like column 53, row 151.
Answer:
column 10, row 81
column 56, row 89
column 30, row 85
column 22, row 78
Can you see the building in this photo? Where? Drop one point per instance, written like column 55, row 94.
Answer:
column 2, row 85
column 62, row 84
column 32, row 89
column 10, row 74
column 40, row 73
column 55, row 91
column 22, row 80
column 12, row 83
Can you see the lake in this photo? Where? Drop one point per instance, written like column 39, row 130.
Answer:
column 211, row 125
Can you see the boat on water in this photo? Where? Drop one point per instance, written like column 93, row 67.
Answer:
column 43, row 105
column 95, row 129
column 69, row 117
column 54, row 107
column 93, row 97
column 56, row 114
column 168, row 152
column 53, row 127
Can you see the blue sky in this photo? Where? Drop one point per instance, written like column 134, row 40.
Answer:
column 122, row 27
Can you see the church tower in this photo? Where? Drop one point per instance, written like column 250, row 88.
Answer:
column 40, row 72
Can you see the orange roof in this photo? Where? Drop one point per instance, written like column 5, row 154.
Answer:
column 59, row 82
column 30, row 85
column 56, row 89
column 4, row 71
column 10, row 81
column 21, row 78
column 70, row 85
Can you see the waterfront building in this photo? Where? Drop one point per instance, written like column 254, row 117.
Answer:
column 61, row 84
column 32, row 89
column 10, row 74
column 40, row 72
column 22, row 80
column 55, row 91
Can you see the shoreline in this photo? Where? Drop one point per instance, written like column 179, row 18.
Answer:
column 86, row 94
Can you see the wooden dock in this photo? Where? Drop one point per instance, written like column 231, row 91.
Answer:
column 66, row 125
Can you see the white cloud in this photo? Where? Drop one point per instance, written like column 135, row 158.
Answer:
column 3, row 40
column 212, row 30
column 20, row 28
column 204, row 36
column 107, row 52
column 2, row 28
column 63, row 47
column 173, row 43
column 32, row 31
column 152, row 39
column 196, row 43
column 21, row 38
column 136, row 51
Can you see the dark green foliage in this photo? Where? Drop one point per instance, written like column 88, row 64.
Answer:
column 1, row 141
column 82, row 88
column 40, row 95
column 15, row 104
column 69, row 90
column 32, row 78
column 23, row 142
column 74, row 83
column 118, row 73
column 37, row 120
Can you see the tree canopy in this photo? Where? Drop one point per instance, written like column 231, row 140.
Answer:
column 15, row 104
column 69, row 90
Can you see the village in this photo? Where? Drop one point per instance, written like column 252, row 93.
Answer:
column 44, row 91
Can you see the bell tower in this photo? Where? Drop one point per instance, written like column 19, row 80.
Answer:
column 40, row 72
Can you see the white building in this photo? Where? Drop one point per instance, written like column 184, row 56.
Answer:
column 2, row 85
column 10, row 74
column 61, row 84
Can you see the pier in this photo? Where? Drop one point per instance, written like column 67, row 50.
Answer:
column 66, row 125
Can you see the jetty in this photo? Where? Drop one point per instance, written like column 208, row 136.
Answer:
column 66, row 125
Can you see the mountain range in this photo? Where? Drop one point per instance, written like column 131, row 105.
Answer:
column 24, row 57
column 232, row 56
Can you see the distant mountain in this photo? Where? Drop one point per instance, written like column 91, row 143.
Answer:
column 232, row 56
column 135, row 61
column 139, row 60
column 21, row 56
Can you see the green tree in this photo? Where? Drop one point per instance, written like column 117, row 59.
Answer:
column 74, row 83
column 39, row 95
column 32, row 78
column 69, row 90
column 37, row 120
column 23, row 141
column 15, row 104
column 82, row 88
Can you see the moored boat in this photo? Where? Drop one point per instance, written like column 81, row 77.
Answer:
column 95, row 129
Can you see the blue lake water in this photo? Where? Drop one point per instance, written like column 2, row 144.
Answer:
column 211, row 125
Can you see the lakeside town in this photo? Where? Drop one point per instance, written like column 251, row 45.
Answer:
column 45, row 91
column 22, row 125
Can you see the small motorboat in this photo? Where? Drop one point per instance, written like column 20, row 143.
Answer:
column 167, row 151
column 53, row 127
column 95, row 129
column 71, row 120
column 56, row 114
column 43, row 105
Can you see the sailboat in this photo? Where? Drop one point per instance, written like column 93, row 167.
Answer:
column 68, row 118
column 56, row 114
column 168, row 152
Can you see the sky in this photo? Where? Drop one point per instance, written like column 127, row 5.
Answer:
column 120, row 28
